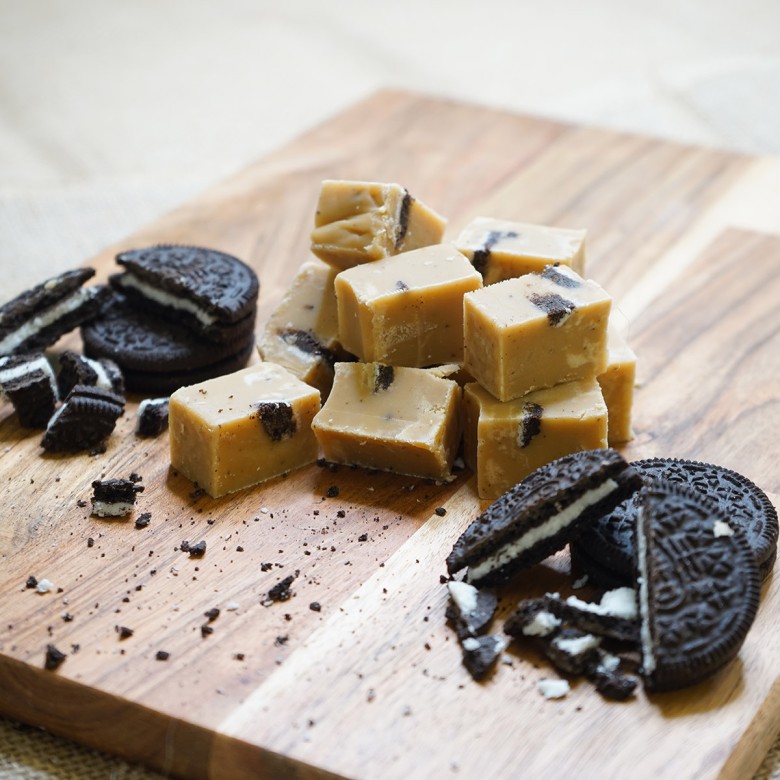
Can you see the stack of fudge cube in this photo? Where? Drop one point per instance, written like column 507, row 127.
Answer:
column 494, row 342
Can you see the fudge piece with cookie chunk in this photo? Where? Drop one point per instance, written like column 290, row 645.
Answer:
column 406, row 310
column 359, row 222
column 535, row 331
column 504, row 441
column 405, row 420
column 302, row 333
column 241, row 429
column 501, row 249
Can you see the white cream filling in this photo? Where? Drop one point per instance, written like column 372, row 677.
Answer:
column 464, row 596
column 46, row 318
column 554, row 524
column 608, row 663
column 648, row 659
column 544, row 623
column 129, row 279
column 620, row 602
column 553, row 689
column 53, row 419
column 111, row 508
column 9, row 374
column 722, row 528
column 578, row 645
column 103, row 381
column 147, row 402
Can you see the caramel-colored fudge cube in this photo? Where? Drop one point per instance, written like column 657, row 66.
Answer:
column 405, row 420
column 504, row 441
column 241, row 429
column 535, row 331
column 617, row 385
column 406, row 310
column 302, row 332
column 501, row 249
column 359, row 222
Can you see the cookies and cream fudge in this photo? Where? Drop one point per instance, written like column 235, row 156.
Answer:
column 617, row 384
column 243, row 428
column 302, row 332
column 406, row 310
column 504, row 441
column 405, row 420
column 501, row 249
column 359, row 221
column 535, row 331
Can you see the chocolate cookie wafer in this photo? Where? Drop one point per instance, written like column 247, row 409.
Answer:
column 209, row 293
column 609, row 541
column 537, row 516
column 157, row 356
column 698, row 583
column 38, row 317
column 85, row 419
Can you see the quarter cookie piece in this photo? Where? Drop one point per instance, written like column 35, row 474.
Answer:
column 114, row 497
column 87, row 417
column 359, row 222
column 537, row 517
column 27, row 381
column 210, row 293
column 699, row 586
column 75, row 369
column 38, row 317
column 502, row 249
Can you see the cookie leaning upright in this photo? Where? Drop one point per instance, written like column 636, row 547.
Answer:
column 211, row 293
column 699, row 585
column 37, row 318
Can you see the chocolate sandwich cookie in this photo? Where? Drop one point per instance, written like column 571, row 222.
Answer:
column 155, row 355
column 609, row 541
column 539, row 515
column 75, row 369
column 85, row 419
column 27, row 381
column 470, row 610
column 38, row 317
column 114, row 497
column 698, row 585
column 210, row 293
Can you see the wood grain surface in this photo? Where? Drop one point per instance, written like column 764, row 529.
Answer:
column 371, row 685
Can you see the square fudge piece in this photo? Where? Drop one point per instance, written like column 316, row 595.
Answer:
column 504, row 441
column 302, row 332
column 535, row 331
column 617, row 384
column 360, row 221
column 405, row 420
column 406, row 310
column 501, row 249
column 243, row 428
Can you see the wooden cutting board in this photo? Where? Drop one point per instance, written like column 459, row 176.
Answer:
column 371, row 685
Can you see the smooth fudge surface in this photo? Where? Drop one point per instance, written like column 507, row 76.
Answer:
column 504, row 441
column 535, row 331
column 243, row 428
column 406, row 310
column 359, row 222
column 302, row 332
column 617, row 384
column 501, row 249
column 405, row 420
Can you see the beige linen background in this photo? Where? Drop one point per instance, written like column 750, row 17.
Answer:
column 111, row 113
